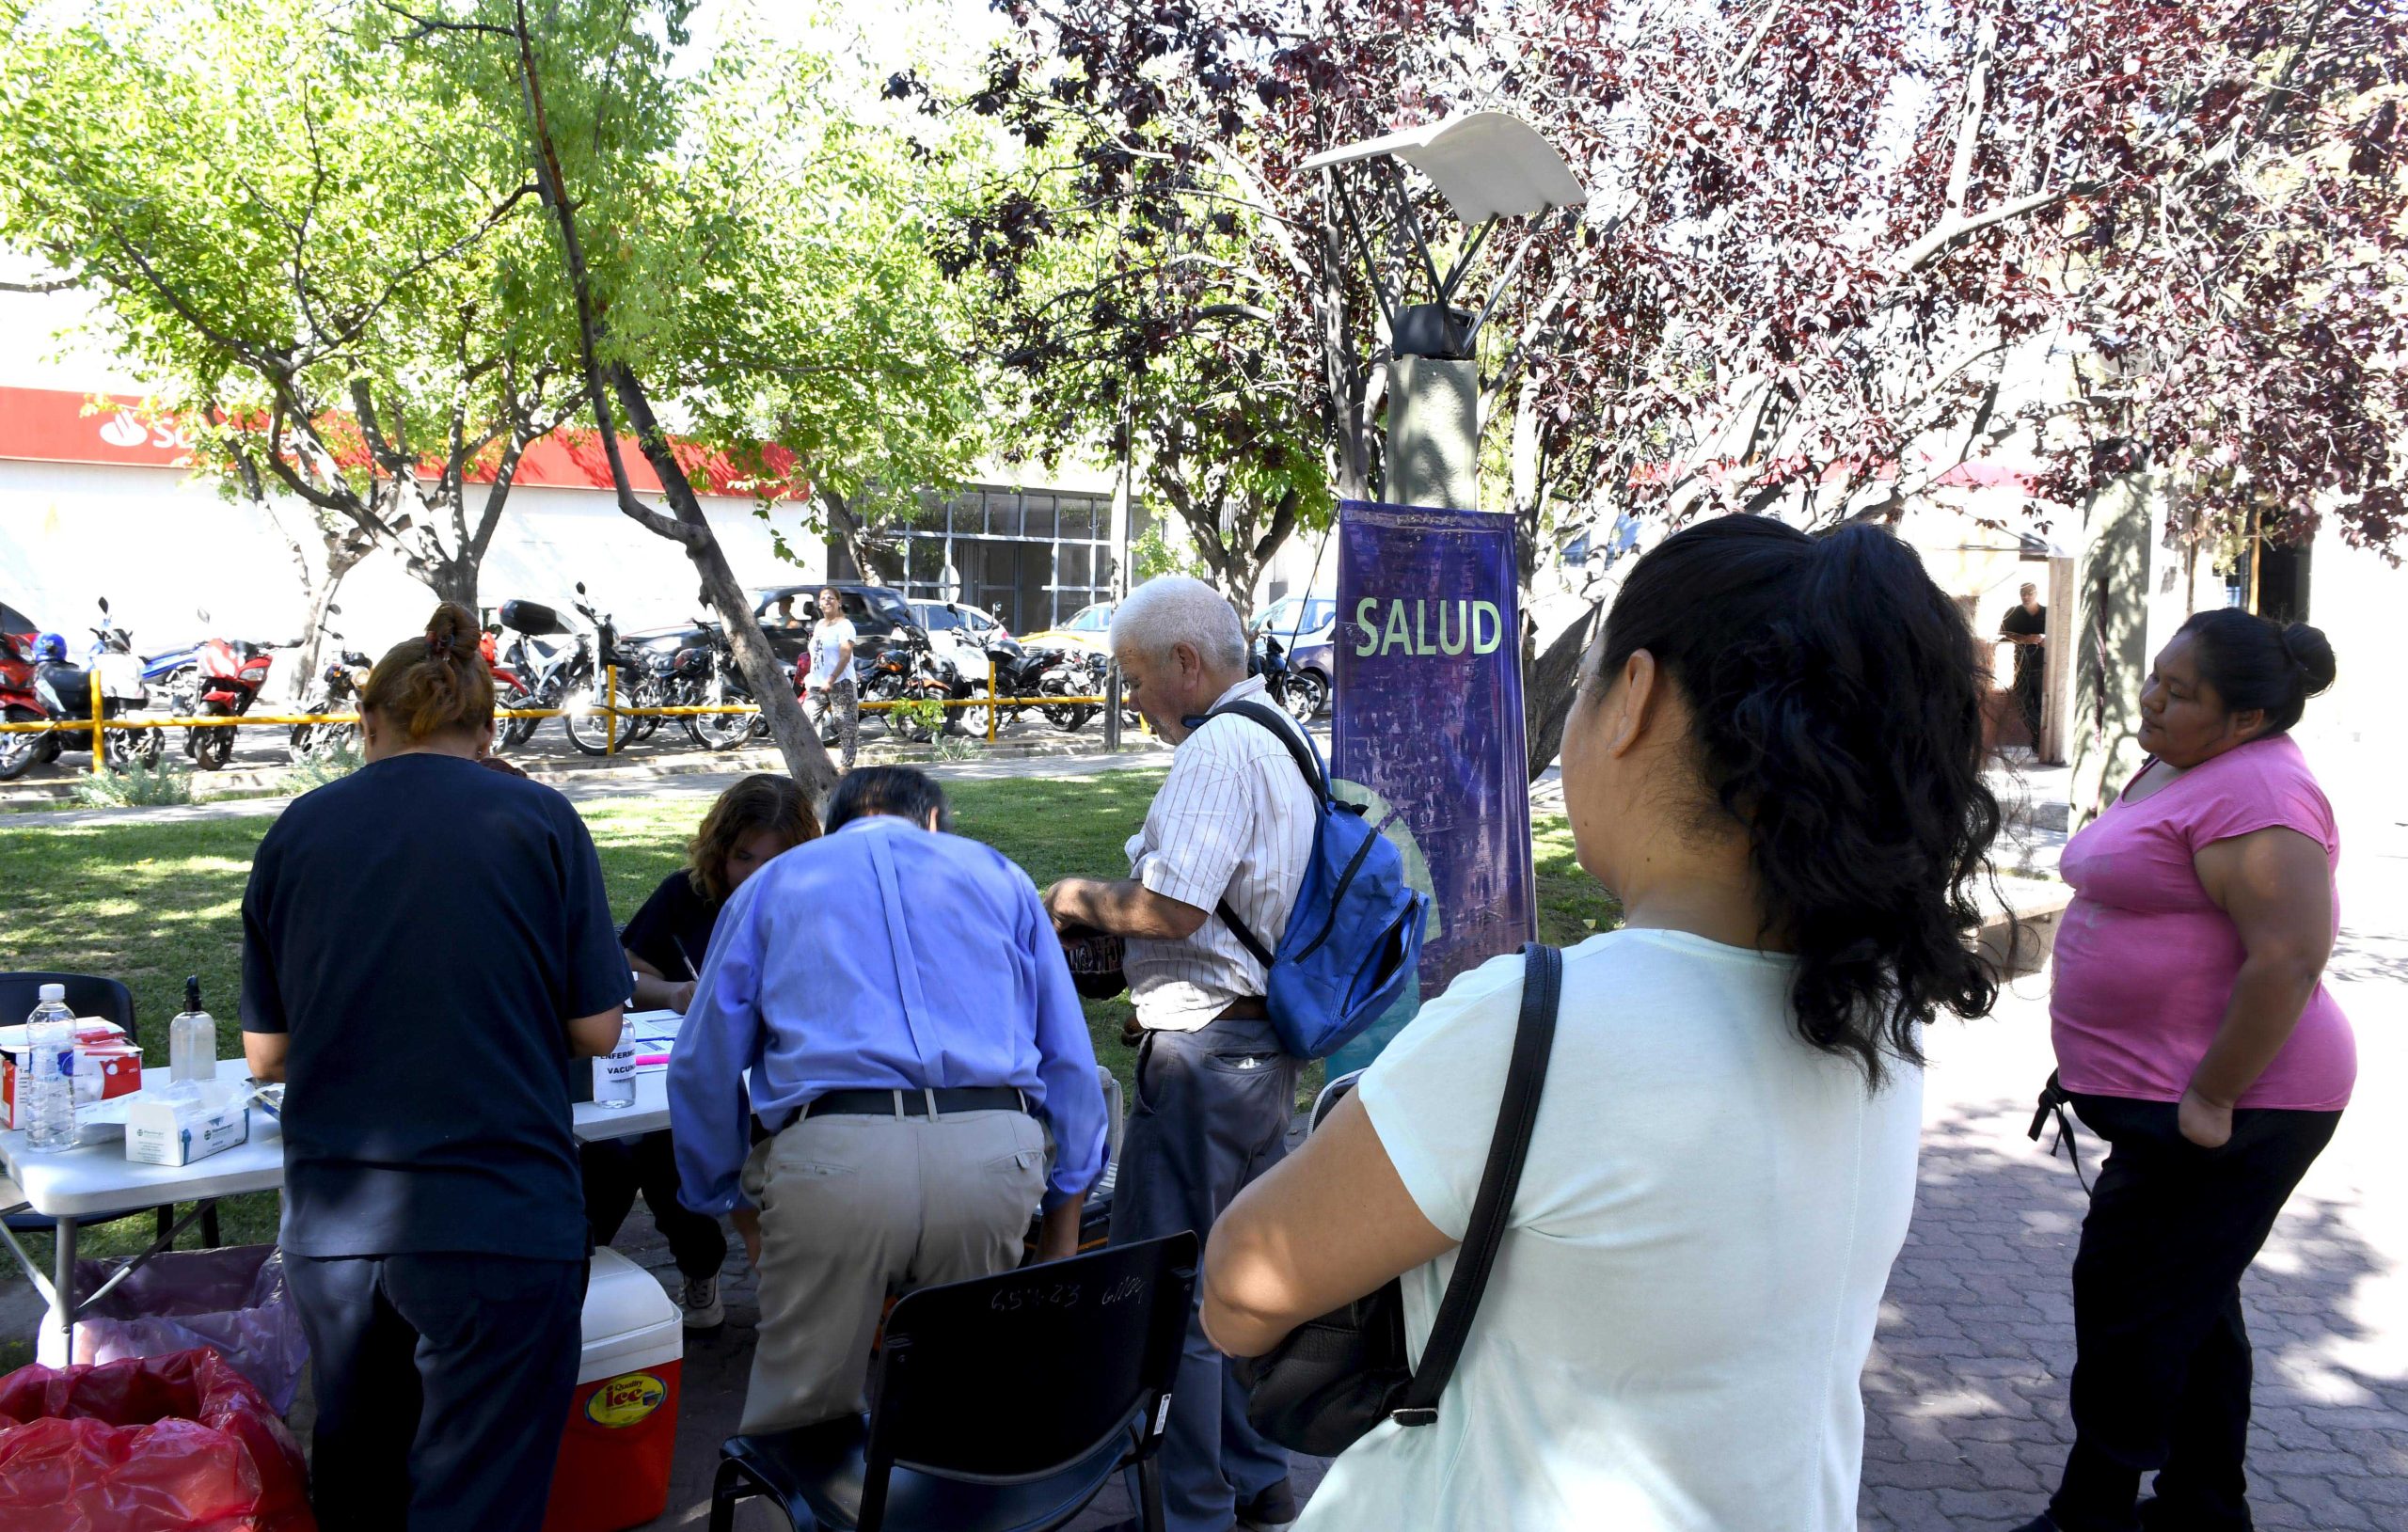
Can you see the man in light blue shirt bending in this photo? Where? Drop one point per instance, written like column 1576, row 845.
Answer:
column 902, row 1002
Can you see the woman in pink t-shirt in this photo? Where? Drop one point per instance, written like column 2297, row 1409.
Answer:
column 2194, row 1032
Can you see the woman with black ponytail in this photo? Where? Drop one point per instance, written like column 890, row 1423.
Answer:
column 2194, row 1033
column 1775, row 763
column 426, row 946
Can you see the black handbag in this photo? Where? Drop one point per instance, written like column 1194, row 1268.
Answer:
column 1335, row 1378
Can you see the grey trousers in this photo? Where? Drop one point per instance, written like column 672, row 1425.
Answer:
column 1211, row 1114
column 854, row 1207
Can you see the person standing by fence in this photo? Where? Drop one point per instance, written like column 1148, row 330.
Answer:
column 426, row 949
column 2193, row 1034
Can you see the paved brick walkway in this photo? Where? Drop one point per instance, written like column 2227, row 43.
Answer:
column 1965, row 1396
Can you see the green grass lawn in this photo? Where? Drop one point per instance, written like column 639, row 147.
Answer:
column 151, row 903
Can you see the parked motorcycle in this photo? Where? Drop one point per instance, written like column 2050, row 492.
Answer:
column 232, row 674
column 19, row 704
column 705, row 674
column 1301, row 692
column 1078, row 673
column 41, row 684
column 903, row 670
column 337, row 690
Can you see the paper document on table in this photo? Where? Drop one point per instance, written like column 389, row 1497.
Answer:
column 656, row 1036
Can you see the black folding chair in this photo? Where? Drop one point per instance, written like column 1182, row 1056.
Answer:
column 1004, row 1404
column 88, row 994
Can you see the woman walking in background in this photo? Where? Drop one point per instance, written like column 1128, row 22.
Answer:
column 2194, row 1032
column 830, row 678
column 1775, row 763
column 426, row 947
column 753, row 821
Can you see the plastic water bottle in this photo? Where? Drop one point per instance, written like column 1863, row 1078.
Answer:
column 191, row 1040
column 50, row 1061
column 614, row 1076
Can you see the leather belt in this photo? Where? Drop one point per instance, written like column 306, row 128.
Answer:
column 919, row 1103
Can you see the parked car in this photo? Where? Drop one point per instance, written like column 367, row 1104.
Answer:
column 1298, row 622
column 957, row 616
column 1089, row 628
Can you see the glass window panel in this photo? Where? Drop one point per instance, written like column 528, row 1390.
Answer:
column 1041, row 517
column 1072, row 567
column 1003, row 513
column 927, row 561
column 1080, row 517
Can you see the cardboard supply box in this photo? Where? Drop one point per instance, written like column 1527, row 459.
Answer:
column 164, row 1130
column 105, row 1066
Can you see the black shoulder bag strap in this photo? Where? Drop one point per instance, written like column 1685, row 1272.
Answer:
column 1314, row 778
column 1533, row 1041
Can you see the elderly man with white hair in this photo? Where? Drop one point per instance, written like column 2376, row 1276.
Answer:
column 1230, row 830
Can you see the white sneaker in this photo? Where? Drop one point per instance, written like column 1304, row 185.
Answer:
column 699, row 1298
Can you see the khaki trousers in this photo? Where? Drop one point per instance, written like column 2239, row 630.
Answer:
column 852, row 1207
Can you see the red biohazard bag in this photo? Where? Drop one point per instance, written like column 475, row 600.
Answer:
column 181, row 1442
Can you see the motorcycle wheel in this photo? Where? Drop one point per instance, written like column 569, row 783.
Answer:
column 581, row 717
column 906, row 728
column 718, row 731
column 1068, row 718
column 970, row 721
column 507, row 732
column 18, row 753
column 213, row 749
column 1304, row 695
column 150, row 747
column 303, row 741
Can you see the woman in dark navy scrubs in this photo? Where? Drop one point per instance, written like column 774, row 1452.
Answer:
column 426, row 946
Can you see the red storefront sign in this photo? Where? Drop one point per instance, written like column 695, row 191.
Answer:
column 58, row 425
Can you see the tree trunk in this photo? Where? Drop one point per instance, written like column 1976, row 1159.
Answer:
column 877, row 561
column 1549, row 678
column 797, row 742
column 454, row 579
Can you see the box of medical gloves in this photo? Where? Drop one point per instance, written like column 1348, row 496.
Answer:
column 175, row 1128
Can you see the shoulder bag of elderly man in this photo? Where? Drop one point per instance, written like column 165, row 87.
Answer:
column 1354, row 936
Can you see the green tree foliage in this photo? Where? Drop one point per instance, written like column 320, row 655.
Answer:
column 744, row 263
column 293, row 230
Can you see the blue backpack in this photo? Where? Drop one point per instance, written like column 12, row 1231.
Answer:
column 1355, row 937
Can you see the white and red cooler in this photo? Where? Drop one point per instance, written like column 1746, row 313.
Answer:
column 621, row 1427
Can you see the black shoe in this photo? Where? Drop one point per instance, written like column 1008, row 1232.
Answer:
column 1269, row 1508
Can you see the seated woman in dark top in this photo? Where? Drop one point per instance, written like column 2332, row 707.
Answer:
column 665, row 944
column 426, row 947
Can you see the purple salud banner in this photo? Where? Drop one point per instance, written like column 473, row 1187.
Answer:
column 1428, row 728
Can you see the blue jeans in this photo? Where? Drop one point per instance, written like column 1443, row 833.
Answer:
column 1210, row 1113
column 443, row 1384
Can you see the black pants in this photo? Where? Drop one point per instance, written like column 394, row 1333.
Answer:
column 616, row 1169
column 1213, row 1107
column 2162, row 1368
column 2028, row 677
column 443, row 1387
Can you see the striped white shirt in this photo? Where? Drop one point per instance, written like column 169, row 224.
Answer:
column 1234, row 820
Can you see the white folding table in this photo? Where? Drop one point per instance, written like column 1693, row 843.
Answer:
column 95, row 1181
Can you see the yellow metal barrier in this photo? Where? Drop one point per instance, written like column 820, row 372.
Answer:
column 100, row 725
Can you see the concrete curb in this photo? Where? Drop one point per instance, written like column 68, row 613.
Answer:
column 240, row 783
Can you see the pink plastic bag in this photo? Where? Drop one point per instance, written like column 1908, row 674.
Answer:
column 232, row 1301
column 167, row 1444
